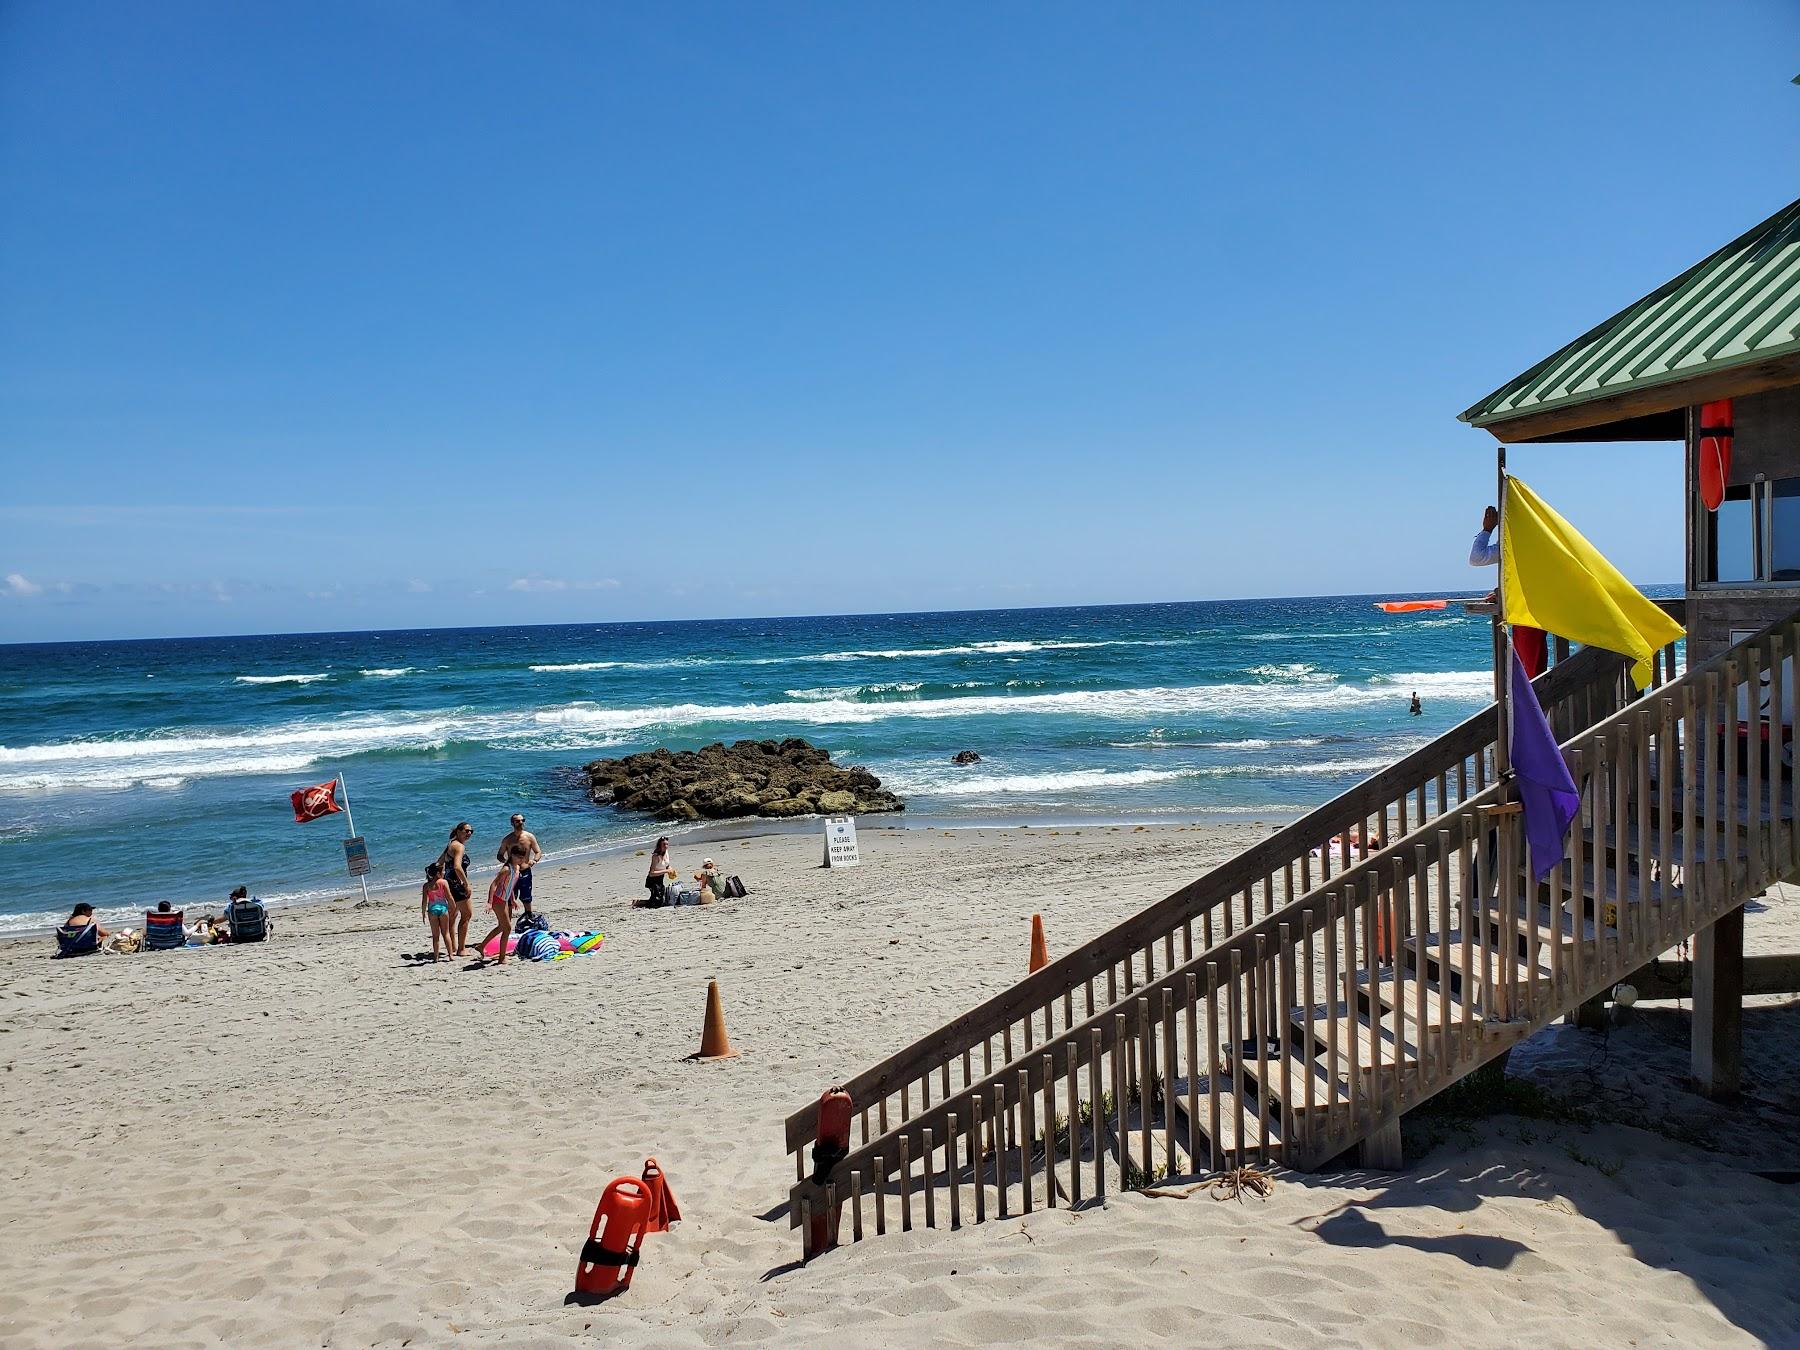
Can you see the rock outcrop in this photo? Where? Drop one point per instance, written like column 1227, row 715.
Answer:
column 745, row 778
column 965, row 757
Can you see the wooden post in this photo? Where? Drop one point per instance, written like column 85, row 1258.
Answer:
column 1718, row 1034
column 1382, row 1150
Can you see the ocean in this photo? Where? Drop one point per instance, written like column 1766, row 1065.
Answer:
column 132, row 772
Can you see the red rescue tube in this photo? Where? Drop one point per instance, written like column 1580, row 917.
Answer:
column 1716, row 432
column 833, row 1146
column 1408, row 606
column 609, row 1257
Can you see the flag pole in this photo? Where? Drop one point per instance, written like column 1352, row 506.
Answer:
column 1502, row 645
column 350, row 822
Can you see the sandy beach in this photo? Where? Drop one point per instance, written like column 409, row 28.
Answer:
column 316, row 1141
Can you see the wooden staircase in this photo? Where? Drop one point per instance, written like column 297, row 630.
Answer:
column 1358, row 991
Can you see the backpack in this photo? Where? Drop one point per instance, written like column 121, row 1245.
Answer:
column 533, row 923
column 734, row 889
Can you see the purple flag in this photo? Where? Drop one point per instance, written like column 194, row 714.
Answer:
column 1546, row 791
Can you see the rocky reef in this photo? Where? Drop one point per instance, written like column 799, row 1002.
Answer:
column 745, row 778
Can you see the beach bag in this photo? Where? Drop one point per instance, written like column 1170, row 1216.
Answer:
column 533, row 923
column 734, row 889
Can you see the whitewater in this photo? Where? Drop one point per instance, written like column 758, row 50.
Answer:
column 133, row 772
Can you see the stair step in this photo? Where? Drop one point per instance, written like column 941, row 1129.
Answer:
column 1240, row 1127
column 1487, row 968
column 1383, row 987
column 1638, row 888
column 1365, row 1037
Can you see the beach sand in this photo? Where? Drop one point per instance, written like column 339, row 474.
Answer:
column 317, row 1142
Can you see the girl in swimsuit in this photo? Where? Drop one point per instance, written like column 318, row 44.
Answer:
column 500, row 900
column 434, row 908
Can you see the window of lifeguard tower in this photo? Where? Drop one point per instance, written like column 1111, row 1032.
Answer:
column 1754, row 536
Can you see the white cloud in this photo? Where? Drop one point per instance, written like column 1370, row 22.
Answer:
column 417, row 587
column 18, row 584
column 541, row 585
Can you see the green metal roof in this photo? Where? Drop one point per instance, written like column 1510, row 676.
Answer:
column 1740, row 305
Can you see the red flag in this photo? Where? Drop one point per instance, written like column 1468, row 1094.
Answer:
column 313, row 802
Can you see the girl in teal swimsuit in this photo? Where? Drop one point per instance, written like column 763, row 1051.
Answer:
column 434, row 908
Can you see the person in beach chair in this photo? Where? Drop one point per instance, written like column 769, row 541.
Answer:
column 80, row 934
column 245, row 917
column 163, row 931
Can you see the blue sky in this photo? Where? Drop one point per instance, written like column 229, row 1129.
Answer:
column 404, row 314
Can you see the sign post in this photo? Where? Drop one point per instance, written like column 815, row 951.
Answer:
column 840, row 842
column 356, row 848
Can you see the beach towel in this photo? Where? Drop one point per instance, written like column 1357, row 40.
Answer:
column 537, row 945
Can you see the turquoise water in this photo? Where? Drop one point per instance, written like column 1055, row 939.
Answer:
column 137, row 771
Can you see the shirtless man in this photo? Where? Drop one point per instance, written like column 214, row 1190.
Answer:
column 455, row 862
column 525, row 839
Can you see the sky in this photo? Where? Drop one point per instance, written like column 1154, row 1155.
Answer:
column 398, row 314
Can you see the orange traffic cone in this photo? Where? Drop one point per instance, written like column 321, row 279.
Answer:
column 714, row 1043
column 663, row 1210
column 1040, row 956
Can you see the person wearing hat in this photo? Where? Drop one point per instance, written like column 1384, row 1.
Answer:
column 712, row 885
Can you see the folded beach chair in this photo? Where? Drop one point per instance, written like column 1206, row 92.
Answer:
column 163, row 932
column 248, row 920
column 78, row 941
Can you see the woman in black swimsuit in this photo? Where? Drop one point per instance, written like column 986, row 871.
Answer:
column 454, row 860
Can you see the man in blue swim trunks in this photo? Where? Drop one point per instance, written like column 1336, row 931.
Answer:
column 525, row 839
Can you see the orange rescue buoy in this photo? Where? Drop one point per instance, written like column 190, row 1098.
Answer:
column 610, row 1254
column 1716, row 432
column 831, row 1148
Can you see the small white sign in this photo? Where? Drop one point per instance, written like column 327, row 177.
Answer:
column 840, row 842
column 356, row 855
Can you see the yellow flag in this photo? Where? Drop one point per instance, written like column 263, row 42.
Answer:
column 1551, row 578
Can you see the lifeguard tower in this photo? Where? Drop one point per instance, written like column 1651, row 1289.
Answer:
column 1293, row 1003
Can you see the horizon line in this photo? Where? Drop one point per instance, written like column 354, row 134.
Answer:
column 744, row 618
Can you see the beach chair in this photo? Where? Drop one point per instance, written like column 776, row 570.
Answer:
column 247, row 919
column 80, row 940
column 163, row 931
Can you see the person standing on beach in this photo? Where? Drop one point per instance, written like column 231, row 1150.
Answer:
column 455, row 862
column 656, row 881
column 520, row 838
column 500, row 900
column 434, row 908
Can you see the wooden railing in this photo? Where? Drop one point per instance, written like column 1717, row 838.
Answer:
column 1305, row 1030
column 1578, row 689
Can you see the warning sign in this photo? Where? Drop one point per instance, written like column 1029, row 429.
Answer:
column 840, row 842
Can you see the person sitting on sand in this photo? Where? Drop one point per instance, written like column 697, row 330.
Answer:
column 434, row 908
column 656, row 881
column 712, row 885
column 82, row 916
column 500, row 900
